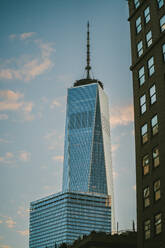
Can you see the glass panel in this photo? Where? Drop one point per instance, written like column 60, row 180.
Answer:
column 152, row 94
column 160, row 3
column 147, row 227
column 138, row 24
column 149, row 38
column 140, row 48
column 162, row 23
column 158, row 224
column 146, row 164
column 146, row 194
column 136, row 3
column 163, row 50
column 141, row 75
column 147, row 14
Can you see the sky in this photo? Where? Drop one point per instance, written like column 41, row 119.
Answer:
column 42, row 53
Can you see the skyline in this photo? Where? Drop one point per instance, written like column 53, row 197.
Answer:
column 42, row 54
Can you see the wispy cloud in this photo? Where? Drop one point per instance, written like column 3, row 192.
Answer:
column 58, row 158
column 28, row 70
column 5, row 246
column 22, row 211
column 24, row 156
column 121, row 115
column 54, row 104
column 10, row 158
column 10, row 222
column 14, row 101
column 24, row 232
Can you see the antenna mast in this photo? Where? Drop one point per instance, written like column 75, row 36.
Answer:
column 88, row 68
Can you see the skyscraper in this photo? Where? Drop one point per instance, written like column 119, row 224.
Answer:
column 147, row 25
column 86, row 201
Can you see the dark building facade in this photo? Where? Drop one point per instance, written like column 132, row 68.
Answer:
column 147, row 26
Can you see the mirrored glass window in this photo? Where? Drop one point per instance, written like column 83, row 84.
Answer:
column 141, row 75
column 146, row 196
column 147, row 229
column 143, row 104
column 149, row 38
column 153, row 94
column 140, row 48
column 157, row 190
column 147, row 14
column 144, row 133
column 154, row 125
column 136, row 3
column 138, row 24
column 151, row 67
column 155, row 156
column 158, row 223
column 145, row 162
column 162, row 23
column 160, row 3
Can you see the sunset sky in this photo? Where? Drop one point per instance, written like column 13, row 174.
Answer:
column 42, row 53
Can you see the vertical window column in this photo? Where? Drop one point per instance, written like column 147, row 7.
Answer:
column 146, row 167
column 157, row 190
column 141, row 75
column 147, row 14
column 155, row 157
column 152, row 94
column 158, row 223
column 162, row 23
column 144, row 133
column 149, row 38
column 138, row 24
column 147, row 229
column 146, row 196
column 140, row 48
column 154, row 125
column 151, row 66
column 143, row 104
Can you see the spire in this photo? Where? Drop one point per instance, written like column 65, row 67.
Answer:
column 88, row 68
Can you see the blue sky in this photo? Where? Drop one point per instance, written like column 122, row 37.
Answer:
column 42, row 53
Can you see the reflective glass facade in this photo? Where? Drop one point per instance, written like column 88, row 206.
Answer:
column 87, row 163
column 86, row 201
column 65, row 217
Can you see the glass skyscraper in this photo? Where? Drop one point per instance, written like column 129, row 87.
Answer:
column 86, row 201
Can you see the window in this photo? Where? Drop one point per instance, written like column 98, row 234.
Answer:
column 143, row 104
column 154, row 125
column 153, row 94
column 147, row 14
column 149, row 38
column 157, row 190
column 155, row 156
column 151, row 68
column 138, row 24
column 160, row 3
column 140, row 48
column 162, row 23
column 136, row 3
column 147, row 229
column 146, row 197
column 163, row 50
column 145, row 162
column 141, row 75
column 144, row 133
column 158, row 223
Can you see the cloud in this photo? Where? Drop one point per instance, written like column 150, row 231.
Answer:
column 50, row 134
column 58, row 158
column 3, row 117
column 14, row 101
column 22, row 212
column 24, row 36
column 115, row 147
column 35, row 65
column 121, row 115
column 5, row 246
column 13, row 158
column 54, row 104
column 24, row 156
column 24, row 232
column 10, row 222
column 1, row 221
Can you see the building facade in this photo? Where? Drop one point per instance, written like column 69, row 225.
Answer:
column 147, row 26
column 64, row 217
column 86, row 201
